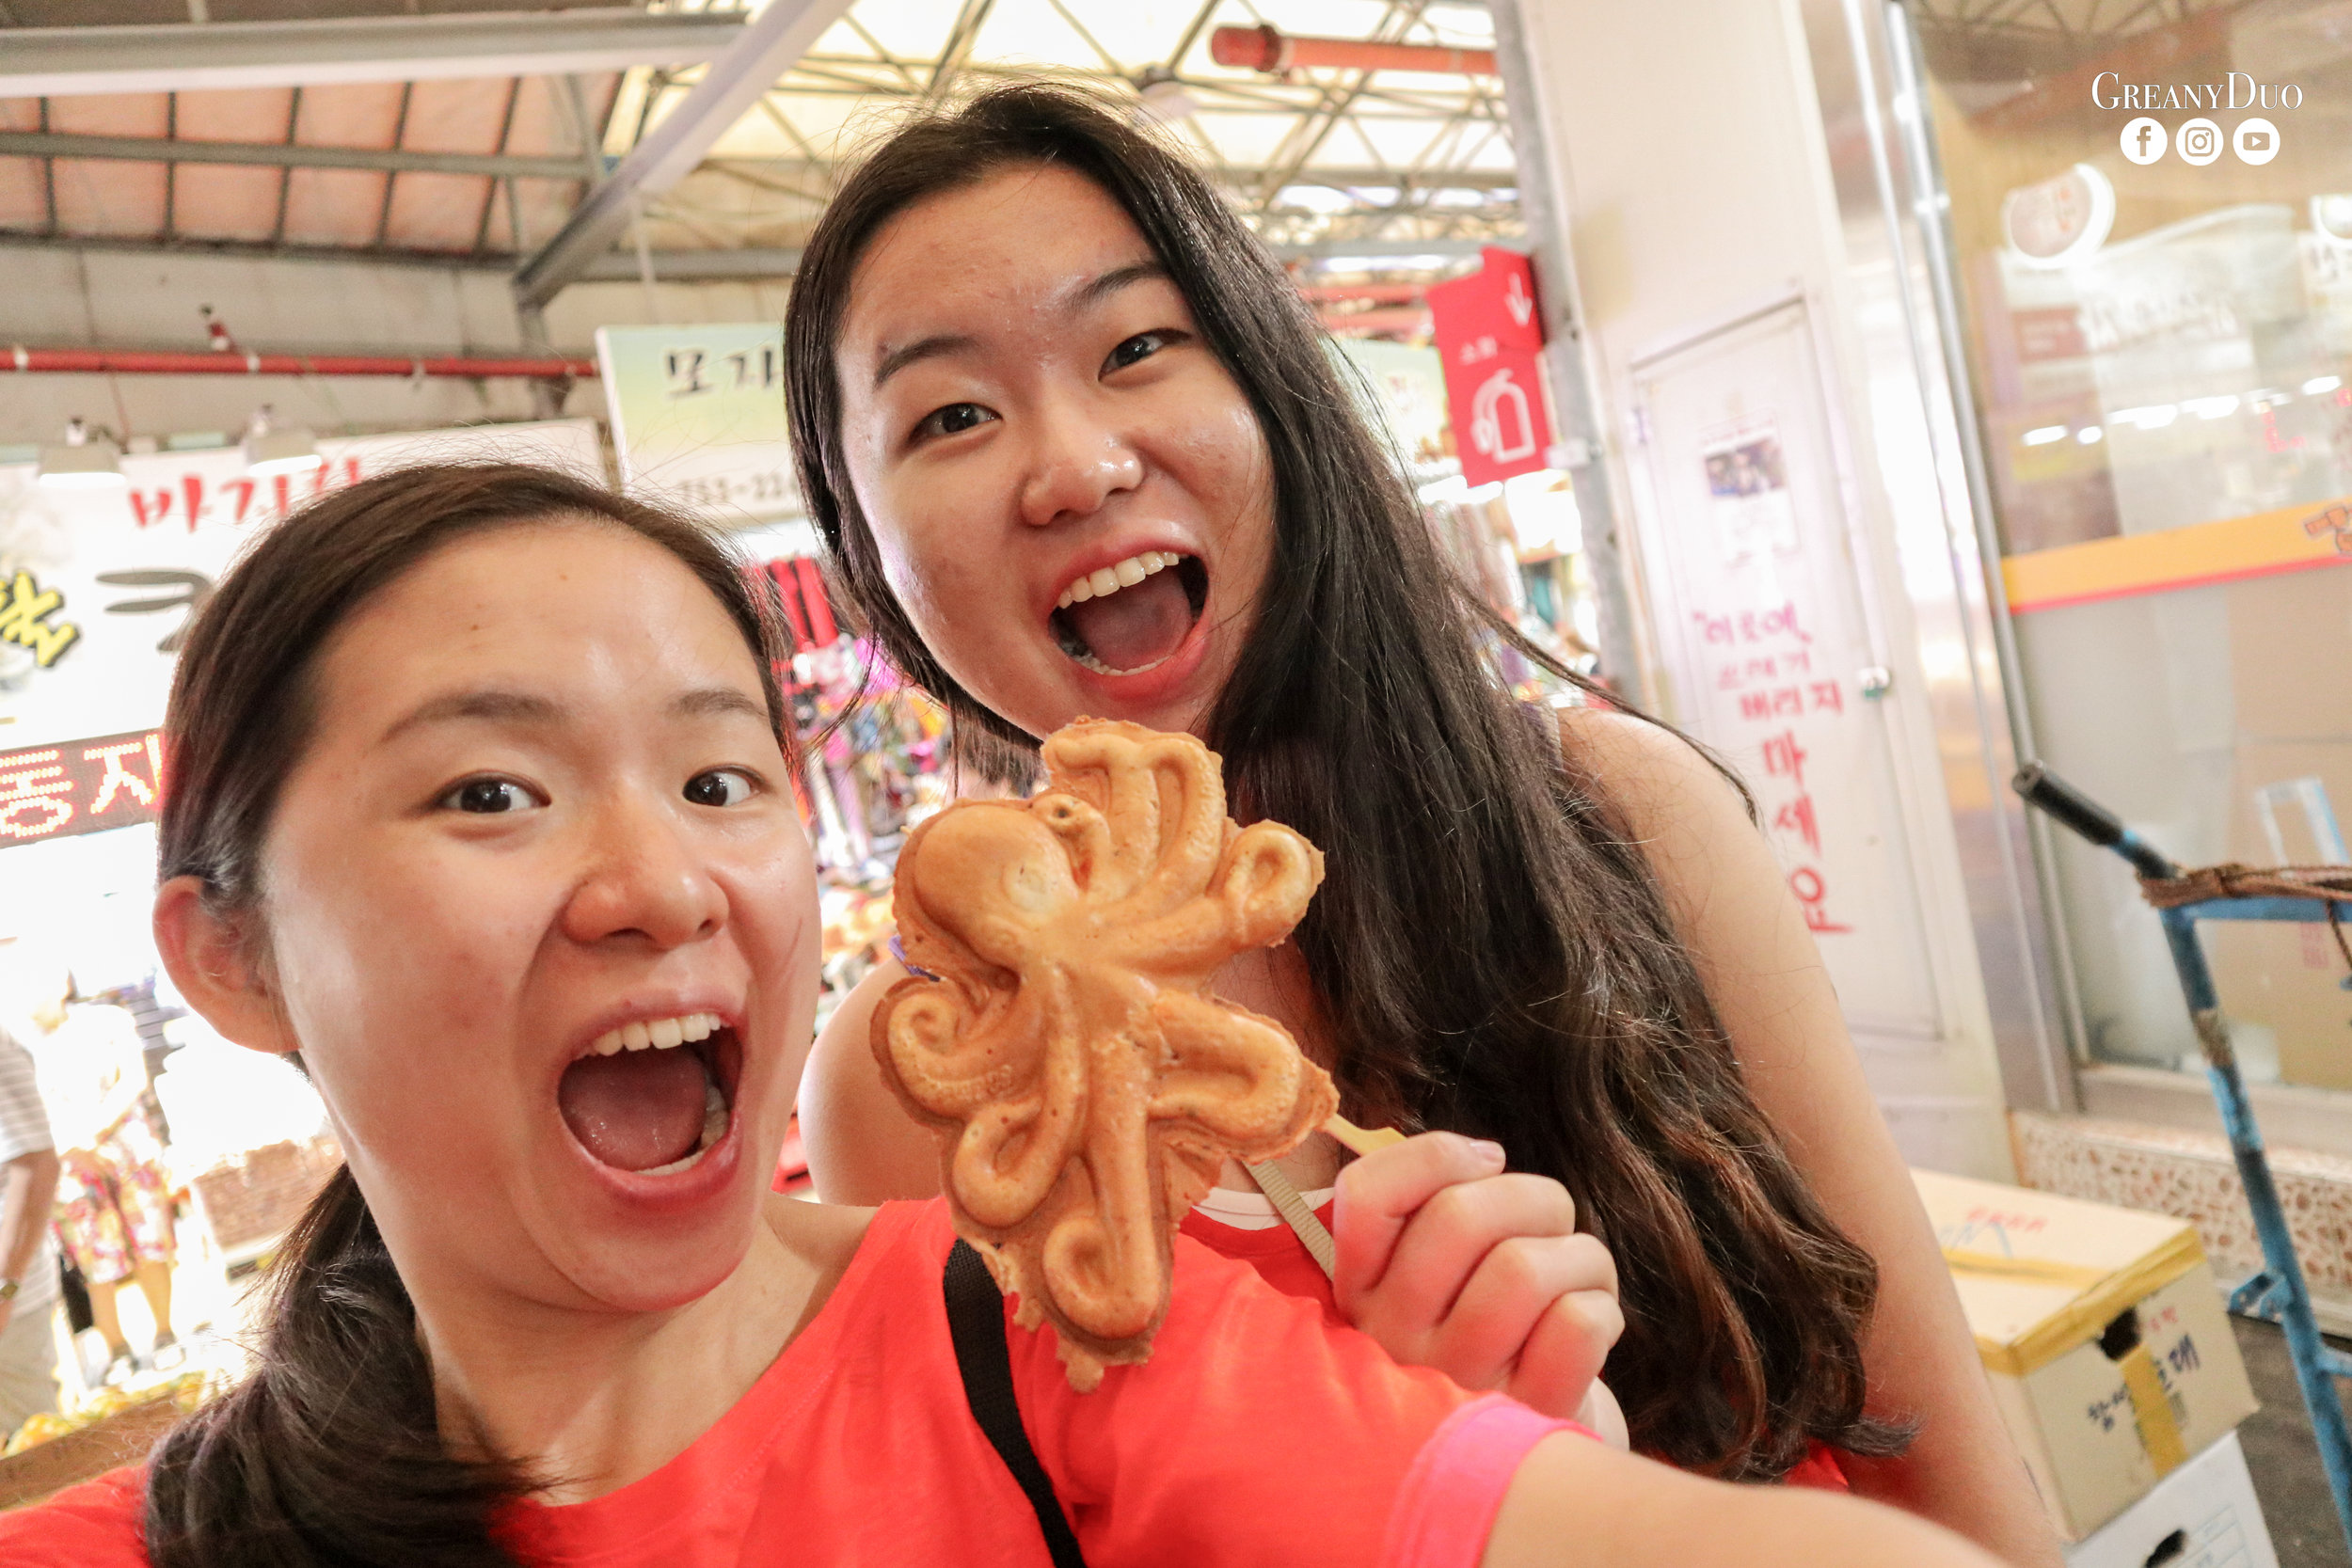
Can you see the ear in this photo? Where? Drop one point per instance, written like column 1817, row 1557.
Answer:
column 214, row 966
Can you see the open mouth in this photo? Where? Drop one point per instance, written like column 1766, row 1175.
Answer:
column 1128, row 617
column 654, row 1096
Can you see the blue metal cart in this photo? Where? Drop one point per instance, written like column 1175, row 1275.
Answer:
column 2275, row 1292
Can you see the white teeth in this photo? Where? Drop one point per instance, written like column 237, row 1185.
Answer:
column 1111, row 579
column 658, row 1034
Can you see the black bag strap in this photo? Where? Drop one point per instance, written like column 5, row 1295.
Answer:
column 976, row 1322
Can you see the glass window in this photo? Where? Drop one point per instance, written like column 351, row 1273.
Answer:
column 2151, row 210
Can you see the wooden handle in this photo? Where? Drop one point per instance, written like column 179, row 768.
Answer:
column 1362, row 1140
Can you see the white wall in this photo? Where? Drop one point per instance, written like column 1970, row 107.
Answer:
column 1696, row 185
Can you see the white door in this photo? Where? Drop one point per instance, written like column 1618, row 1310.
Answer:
column 1771, row 654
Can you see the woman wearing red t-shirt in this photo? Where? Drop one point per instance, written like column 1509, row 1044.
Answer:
column 479, row 805
column 1075, row 446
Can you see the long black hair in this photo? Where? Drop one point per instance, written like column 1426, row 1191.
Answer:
column 328, row 1452
column 1490, row 948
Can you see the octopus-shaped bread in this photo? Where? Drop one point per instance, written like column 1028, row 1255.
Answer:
column 1060, row 1035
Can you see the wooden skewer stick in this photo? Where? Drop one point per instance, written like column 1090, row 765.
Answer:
column 1361, row 1140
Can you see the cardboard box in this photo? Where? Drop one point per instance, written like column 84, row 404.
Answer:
column 2203, row 1516
column 2103, row 1333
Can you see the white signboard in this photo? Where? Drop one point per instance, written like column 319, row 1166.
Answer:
column 97, row 586
column 698, row 415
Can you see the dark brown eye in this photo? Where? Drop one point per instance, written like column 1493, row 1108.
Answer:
column 489, row 796
column 1137, row 349
column 954, row 420
column 721, row 786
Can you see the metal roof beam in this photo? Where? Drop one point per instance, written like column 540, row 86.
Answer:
column 507, row 165
column 698, row 266
column 155, row 150
column 764, row 50
column 59, row 62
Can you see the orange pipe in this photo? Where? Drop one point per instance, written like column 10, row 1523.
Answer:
column 1402, row 319
column 107, row 361
column 1377, row 293
column 1271, row 50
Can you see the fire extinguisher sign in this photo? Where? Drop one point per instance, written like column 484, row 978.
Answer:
column 1491, row 337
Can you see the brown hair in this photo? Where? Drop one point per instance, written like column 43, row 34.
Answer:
column 1491, row 947
column 329, row 1451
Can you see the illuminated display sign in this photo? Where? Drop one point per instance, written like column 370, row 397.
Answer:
column 79, row 786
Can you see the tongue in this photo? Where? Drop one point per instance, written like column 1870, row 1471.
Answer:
column 1137, row 626
column 635, row 1109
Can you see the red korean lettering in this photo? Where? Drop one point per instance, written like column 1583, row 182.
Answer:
column 30, row 785
column 118, row 780
column 1796, row 816
column 1783, row 758
column 1828, row 695
column 146, row 510
column 1813, row 893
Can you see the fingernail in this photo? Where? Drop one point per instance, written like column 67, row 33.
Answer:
column 1488, row 1152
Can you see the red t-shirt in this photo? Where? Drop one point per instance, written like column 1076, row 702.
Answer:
column 1284, row 1262
column 1259, row 1432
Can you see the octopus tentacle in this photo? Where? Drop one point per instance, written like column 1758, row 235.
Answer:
column 1012, row 1153
column 1236, row 1076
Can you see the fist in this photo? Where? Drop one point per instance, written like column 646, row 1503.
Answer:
column 1452, row 1263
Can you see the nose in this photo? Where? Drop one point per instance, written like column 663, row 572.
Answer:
column 645, row 883
column 1079, row 463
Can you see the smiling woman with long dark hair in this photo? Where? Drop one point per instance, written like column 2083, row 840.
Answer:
column 1076, row 447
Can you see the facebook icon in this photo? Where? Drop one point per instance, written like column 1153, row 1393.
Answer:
column 2144, row 140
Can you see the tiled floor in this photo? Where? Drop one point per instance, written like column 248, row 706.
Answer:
column 2285, row 1464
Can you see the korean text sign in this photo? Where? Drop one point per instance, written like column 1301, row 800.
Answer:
column 698, row 415
column 1491, row 335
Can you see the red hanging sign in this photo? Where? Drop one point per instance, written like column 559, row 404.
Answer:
column 1491, row 337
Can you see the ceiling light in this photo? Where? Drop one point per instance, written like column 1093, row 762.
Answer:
column 84, row 462
column 270, row 449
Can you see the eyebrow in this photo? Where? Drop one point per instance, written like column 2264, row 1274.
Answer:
column 520, row 708
column 718, row 701
column 487, row 706
column 933, row 347
column 1093, row 291
column 1112, row 282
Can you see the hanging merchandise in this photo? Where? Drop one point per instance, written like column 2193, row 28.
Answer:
column 874, row 747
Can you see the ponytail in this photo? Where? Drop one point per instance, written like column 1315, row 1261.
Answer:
column 329, row 1453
